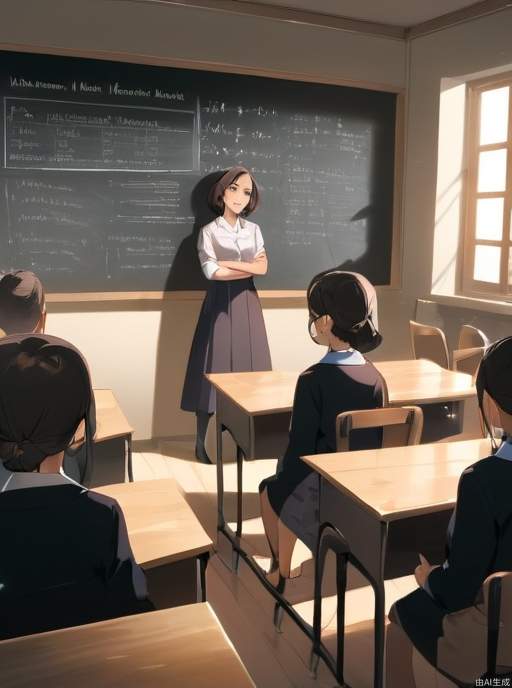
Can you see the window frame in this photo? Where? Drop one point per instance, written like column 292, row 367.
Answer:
column 468, row 286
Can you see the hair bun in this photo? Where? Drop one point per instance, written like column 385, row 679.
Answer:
column 8, row 282
column 9, row 451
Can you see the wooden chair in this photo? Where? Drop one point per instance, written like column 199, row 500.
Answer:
column 400, row 426
column 467, row 360
column 471, row 337
column 429, row 342
column 477, row 641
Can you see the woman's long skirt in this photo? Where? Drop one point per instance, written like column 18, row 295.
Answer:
column 230, row 336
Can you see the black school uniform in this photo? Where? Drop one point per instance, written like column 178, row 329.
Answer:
column 479, row 543
column 341, row 381
column 66, row 559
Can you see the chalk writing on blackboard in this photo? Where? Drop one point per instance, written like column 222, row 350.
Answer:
column 67, row 135
column 105, row 169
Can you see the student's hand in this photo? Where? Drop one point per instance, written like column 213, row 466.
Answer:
column 421, row 572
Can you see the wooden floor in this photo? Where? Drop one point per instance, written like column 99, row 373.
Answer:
column 274, row 659
column 245, row 609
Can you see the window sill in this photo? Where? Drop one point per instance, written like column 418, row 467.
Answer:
column 487, row 305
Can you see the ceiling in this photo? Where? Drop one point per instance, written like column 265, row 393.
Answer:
column 405, row 13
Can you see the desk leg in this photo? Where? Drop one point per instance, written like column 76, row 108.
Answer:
column 129, row 457
column 380, row 613
column 202, row 563
column 239, row 503
column 367, row 538
column 221, row 522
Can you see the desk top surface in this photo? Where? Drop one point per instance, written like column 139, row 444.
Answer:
column 183, row 646
column 110, row 420
column 162, row 527
column 412, row 381
column 401, row 481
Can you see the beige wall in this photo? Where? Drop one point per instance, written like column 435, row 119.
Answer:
column 435, row 164
column 141, row 351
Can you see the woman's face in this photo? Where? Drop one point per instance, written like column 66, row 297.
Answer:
column 238, row 194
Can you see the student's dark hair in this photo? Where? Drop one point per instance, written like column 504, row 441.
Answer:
column 21, row 301
column 345, row 297
column 216, row 195
column 494, row 377
column 45, row 392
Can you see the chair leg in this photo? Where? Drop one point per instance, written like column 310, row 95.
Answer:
column 278, row 610
column 314, row 660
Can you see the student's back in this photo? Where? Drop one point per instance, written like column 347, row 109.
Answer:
column 325, row 390
column 62, row 561
column 66, row 558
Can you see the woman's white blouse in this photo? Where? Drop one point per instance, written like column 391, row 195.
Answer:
column 218, row 240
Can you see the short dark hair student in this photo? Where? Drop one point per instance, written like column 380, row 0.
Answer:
column 66, row 559
column 23, row 309
column 341, row 306
column 22, row 303
column 479, row 543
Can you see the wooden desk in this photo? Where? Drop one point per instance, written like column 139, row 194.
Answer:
column 111, row 423
column 372, row 496
column 162, row 527
column 110, row 420
column 256, row 409
column 185, row 647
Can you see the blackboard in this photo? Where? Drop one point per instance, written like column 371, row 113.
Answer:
column 105, row 168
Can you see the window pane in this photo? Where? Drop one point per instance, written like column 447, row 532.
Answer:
column 489, row 218
column 510, row 267
column 487, row 264
column 494, row 116
column 492, row 170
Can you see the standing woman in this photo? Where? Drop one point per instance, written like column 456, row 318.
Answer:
column 230, row 334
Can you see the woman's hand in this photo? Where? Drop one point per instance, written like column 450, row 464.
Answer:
column 422, row 571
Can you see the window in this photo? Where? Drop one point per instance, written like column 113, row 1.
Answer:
column 487, row 263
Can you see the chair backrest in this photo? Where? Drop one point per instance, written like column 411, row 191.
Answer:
column 400, row 426
column 467, row 360
column 429, row 342
column 497, row 589
column 471, row 337
column 478, row 639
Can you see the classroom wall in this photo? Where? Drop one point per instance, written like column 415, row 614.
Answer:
column 140, row 349
column 435, row 166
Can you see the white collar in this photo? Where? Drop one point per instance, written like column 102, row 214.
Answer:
column 19, row 480
column 222, row 222
column 505, row 450
column 346, row 357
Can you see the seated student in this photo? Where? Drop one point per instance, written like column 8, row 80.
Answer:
column 340, row 316
column 23, row 309
column 22, row 303
column 479, row 542
column 66, row 559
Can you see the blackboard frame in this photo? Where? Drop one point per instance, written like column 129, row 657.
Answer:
column 295, row 296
